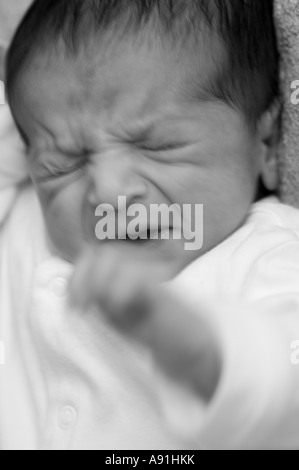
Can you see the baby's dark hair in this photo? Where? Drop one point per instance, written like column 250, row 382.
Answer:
column 246, row 80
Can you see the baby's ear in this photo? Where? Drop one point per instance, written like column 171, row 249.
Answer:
column 269, row 129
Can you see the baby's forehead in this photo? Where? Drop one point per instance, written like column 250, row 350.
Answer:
column 117, row 86
column 111, row 70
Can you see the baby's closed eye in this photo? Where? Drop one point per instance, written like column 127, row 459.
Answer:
column 59, row 165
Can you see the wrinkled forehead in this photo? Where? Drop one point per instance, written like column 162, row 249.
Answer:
column 118, row 81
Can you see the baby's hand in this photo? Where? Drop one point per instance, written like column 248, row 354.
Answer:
column 127, row 290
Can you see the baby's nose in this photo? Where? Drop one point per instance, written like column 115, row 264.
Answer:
column 113, row 175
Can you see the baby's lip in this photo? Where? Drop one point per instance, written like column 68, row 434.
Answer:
column 150, row 233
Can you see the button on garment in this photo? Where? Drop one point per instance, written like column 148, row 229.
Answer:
column 67, row 417
column 59, row 287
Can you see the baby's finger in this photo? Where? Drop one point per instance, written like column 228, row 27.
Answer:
column 125, row 298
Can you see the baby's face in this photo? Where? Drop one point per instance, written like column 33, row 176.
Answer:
column 130, row 126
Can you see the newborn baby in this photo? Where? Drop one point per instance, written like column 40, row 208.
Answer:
column 163, row 102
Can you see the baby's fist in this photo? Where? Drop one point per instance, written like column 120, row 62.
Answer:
column 128, row 290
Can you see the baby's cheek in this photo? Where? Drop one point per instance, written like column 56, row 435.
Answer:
column 63, row 212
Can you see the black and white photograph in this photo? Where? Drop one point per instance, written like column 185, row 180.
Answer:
column 149, row 227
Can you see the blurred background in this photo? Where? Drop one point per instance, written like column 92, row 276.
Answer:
column 11, row 12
